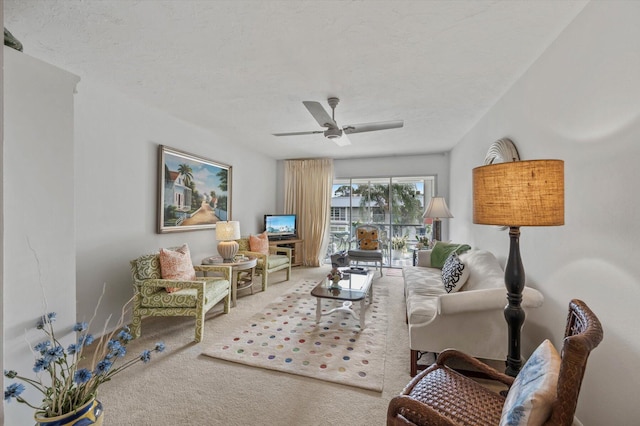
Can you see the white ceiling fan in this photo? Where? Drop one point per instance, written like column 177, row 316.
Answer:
column 334, row 132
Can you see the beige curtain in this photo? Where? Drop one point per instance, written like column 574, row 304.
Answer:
column 307, row 193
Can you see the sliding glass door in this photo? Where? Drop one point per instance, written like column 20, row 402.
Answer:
column 394, row 204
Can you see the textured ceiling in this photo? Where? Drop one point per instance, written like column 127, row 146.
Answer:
column 243, row 68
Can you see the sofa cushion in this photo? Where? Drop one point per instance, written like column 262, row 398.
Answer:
column 454, row 273
column 484, row 270
column 534, row 389
column 176, row 265
column 441, row 252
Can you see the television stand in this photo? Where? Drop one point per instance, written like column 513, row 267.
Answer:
column 295, row 244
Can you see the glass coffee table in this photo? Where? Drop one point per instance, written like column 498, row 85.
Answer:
column 354, row 287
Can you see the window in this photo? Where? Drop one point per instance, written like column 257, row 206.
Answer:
column 394, row 204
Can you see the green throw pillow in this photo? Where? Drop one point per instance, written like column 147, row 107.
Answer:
column 441, row 252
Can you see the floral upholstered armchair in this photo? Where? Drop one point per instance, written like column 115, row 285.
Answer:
column 278, row 259
column 155, row 296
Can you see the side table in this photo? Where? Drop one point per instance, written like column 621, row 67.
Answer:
column 245, row 264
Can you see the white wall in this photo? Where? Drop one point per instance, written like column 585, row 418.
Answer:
column 116, row 190
column 580, row 102
column 38, row 208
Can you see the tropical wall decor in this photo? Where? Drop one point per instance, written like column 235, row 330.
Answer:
column 194, row 193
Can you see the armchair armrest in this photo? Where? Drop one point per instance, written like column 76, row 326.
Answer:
column 492, row 373
column 280, row 250
column 423, row 258
column 198, row 285
column 254, row 254
column 225, row 271
column 484, row 300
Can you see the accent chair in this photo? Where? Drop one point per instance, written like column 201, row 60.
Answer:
column 440, row 395
column 188, row 298
column 278, row 259
column 368, row 246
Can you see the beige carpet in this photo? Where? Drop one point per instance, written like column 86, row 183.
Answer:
column 183, row 387
column 284, row 336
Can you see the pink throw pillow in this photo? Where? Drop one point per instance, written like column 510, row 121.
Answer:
column 176, row 265
column 259, row 243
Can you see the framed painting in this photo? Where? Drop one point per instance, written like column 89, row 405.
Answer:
column 194, row 193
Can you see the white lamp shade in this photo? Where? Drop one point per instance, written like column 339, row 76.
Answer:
column 437, row 208
column 228, row 231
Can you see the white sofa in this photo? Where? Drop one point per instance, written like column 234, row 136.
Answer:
column 471, row 319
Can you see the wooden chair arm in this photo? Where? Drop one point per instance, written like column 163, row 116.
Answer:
column 423, row 412
column 280, row 250
column 492, row 373
column 253, row 254
column 224, row 270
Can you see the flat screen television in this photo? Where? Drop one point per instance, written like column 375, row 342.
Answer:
column 280, row 226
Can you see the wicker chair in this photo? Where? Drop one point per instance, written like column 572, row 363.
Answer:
column 442, row 396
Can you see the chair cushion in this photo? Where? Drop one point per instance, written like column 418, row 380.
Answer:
column 273, row 261
column 176, row 265
column 148, row 267
column 259, row 243
column 357, row 254
column 367, row 239
column 186, row 298
column 535, row 388
column 454, row 273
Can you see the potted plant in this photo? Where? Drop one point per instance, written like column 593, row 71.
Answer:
column 423, row 242
column 399, row 245
column 68, row 382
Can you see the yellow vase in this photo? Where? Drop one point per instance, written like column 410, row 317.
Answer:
column 90, row 414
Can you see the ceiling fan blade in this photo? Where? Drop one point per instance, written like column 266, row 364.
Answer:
column 320, row 114
column 313, row 132
column 342, row 140
column 370, row 127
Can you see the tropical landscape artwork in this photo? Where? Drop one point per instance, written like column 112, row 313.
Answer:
column 194, row 192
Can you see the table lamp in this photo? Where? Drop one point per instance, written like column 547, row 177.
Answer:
column 515, row 194
column 437, row 209
column 226, row 234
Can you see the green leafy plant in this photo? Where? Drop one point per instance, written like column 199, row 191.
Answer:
column 71, row 380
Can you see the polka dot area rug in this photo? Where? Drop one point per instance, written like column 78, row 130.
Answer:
column 284, row 337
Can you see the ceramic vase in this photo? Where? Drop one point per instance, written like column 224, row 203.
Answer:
column 90, row 414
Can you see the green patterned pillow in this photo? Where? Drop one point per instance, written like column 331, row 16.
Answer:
column 148, row 267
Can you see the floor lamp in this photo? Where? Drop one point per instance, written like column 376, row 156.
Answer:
column 515, row 194
column 437, row 209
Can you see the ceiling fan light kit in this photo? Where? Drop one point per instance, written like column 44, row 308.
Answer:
column 334, row 132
